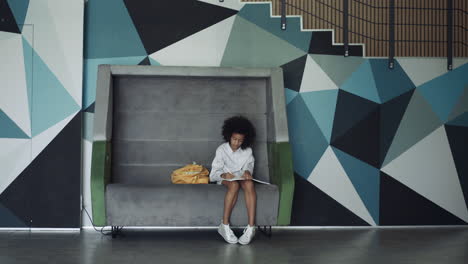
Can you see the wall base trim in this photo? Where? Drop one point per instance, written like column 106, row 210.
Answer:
column 38, row 229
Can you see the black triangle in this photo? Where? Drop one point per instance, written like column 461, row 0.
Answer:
column 321, row 43
column 362, row 140
column 399, row 205
column 458, row 140
column 293, row 72
column 145, row 61
column 48, row 190
column 7, row 20
column 162, row 23
column 391, row 114
column 7, row 219
column 90, row 109
column 312, row 207
column 350, row 109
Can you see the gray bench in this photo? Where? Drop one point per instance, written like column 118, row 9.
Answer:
column 150, row 120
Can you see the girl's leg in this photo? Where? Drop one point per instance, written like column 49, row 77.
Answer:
column 250, row 199
column 230, row 199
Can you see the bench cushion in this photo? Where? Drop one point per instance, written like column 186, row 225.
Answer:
column 184, row 205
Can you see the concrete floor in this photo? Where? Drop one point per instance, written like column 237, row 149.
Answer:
column 406, row 245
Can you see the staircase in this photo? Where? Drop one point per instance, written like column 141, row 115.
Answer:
column 386, row 28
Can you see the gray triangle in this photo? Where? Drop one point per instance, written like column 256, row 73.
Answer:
column 338, row 68
column 250, row 45
column 418, row 121
column 461, row 106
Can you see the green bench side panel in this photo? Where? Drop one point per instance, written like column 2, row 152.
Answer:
column 282, row 175
column 100, row 177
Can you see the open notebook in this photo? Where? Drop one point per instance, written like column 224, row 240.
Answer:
column 238, row 177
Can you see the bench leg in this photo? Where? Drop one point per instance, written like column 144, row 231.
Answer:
column 266, row 230
column 116, row 230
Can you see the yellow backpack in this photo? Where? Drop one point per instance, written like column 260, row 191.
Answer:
column 190, row 174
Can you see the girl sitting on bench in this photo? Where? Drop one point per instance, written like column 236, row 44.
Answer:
column 233, row 167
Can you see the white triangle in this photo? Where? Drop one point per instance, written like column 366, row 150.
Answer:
column 48, row 45
column 68, row 19
column 314, row 78
column 8, row 36
column 87, row 154
column 14, row 158
column 422, row 70
column 330, row 177
column 428, row 169
column 205, row 48
column 232, row 4
column 40, row 142
column 457, row 62
column 13, row 87
column 28, row 34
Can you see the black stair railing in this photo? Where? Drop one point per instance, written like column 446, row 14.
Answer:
column 393, row 25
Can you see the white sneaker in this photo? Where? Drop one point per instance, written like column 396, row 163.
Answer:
column 226, row 232
column 249, row 233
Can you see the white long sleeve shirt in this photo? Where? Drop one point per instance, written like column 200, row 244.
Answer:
column 228, row 161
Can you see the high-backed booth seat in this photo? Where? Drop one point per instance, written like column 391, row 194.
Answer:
column 150, row 120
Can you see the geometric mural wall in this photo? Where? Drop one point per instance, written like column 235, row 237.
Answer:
column 379, row 145
column 40, row 112
column 371, row 146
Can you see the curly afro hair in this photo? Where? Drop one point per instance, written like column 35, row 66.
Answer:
column 241, row 125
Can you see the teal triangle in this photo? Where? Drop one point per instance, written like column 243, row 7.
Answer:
column 461, row 106
column 365, row 179
column 252, row 46
column 290, row 95
column 390, row 83
column 443, row 92
column 154, row 62
column 8, row 219
column 19, row 8
column 322, row 105
column 51, row 102
column 307, row 141
column 461, row 120
column 362, row 83
column 90, row 74
column 9, row 129
column 110, row 31
column 28, row 67
column 259, row 14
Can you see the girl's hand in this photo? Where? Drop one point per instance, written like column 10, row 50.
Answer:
column 247, row 175
column 227, row 176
